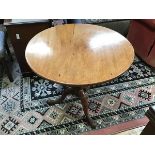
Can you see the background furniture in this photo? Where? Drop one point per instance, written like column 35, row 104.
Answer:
column 118, row 25
column 55, row 22
column 5, row 55
column 142, row 36
column 150, row 127
column 20, row 32
column 73, row 21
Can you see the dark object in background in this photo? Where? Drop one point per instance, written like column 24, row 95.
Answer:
column 142, row 37
column 20, row 32
column 55, row 22
column 5, row 55
column 1, row 21
column 150, row 127
column 73, row 21
column 119, row 25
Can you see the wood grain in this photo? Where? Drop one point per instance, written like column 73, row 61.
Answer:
column 79, row 54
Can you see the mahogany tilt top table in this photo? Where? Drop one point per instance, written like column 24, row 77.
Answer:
column 79, row 55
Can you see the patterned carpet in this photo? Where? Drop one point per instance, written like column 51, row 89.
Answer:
column 23, row 107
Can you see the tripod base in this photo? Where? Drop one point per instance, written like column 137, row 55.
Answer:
column 79, row 92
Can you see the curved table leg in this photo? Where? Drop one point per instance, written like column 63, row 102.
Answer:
column 79, row 92
column 84, row 102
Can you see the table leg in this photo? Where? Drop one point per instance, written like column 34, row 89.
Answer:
column 84, row 102
column 79, row 92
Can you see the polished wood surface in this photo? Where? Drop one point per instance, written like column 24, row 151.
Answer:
column 79, row 54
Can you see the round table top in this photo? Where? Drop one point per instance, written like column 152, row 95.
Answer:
column 79, row 54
